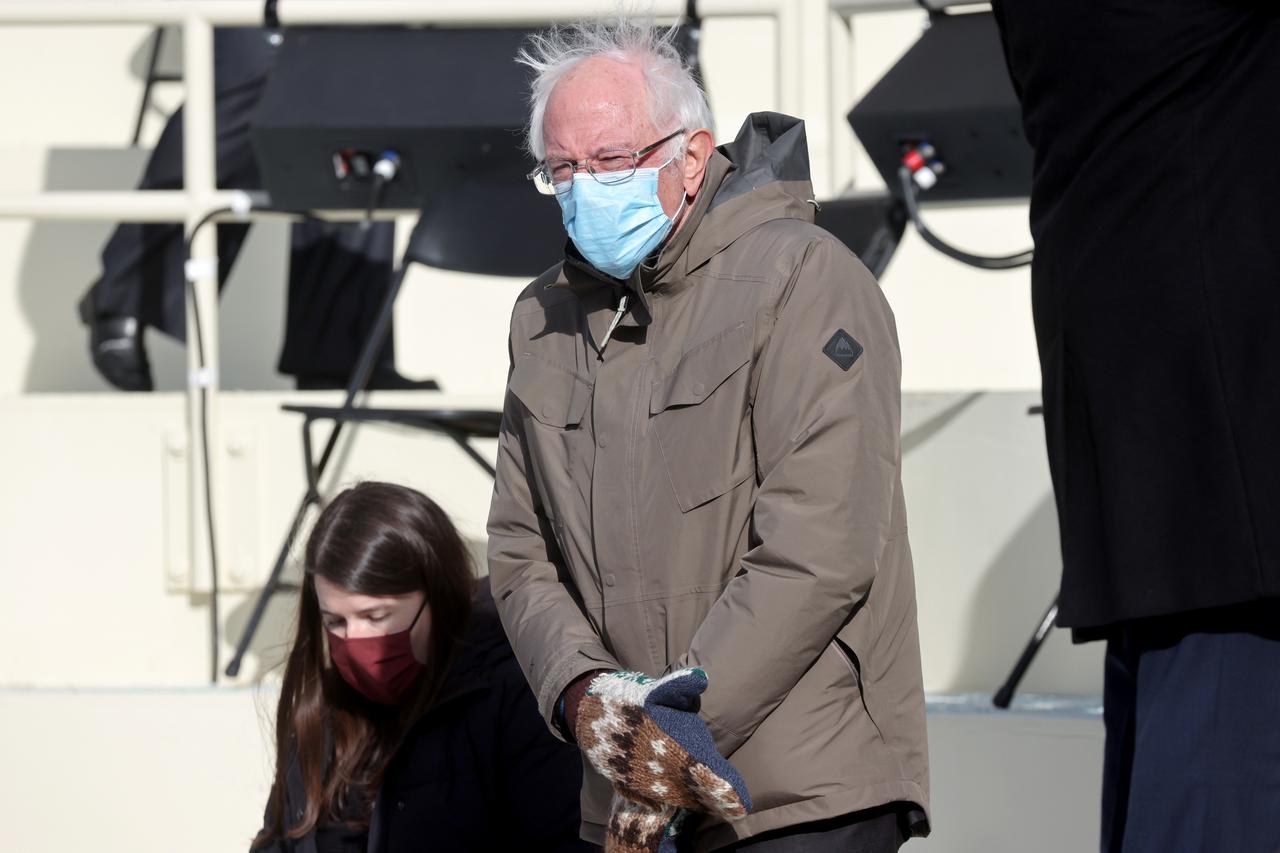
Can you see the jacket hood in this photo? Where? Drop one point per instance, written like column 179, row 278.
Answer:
column 764, row 176
column 771, row 148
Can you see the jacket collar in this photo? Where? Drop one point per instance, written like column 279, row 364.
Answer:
column 672, row 252
column 769, row 180
column 578, row 275
column 763, row 174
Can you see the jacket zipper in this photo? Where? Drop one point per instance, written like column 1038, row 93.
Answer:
column 617, row 318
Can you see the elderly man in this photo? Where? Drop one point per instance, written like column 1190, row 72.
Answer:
column 699, row 475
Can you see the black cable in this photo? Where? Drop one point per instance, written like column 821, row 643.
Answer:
column 984, row 262
column 204, row 419
column 385, row 171
column 375, row 200
column 689, row 43
column 204, row 441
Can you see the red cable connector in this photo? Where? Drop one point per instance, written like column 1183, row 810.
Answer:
column 925, row 167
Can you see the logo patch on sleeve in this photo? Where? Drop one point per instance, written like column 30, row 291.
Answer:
column 843, row 349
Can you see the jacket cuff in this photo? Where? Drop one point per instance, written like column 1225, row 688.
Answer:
column 570, row 669
column 566, row 715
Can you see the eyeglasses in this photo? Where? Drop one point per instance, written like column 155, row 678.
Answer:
column 615, row 166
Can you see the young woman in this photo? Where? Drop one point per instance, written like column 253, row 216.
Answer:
column 405, row 723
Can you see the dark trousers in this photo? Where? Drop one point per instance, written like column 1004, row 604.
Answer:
column 1192, row 711
column 338, row 274
column 878, row 830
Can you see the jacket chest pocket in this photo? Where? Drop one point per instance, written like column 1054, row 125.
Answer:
column 555, row 401
column 699, row 412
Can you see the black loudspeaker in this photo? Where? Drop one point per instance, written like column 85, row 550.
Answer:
column 870, row 224
column 951, row 89
column 452, row 103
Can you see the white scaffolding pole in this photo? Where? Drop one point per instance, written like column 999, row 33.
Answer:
column 199, row 171
column 441, row 12
column 130, row 206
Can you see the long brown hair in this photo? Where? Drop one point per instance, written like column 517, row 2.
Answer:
column 372, row 539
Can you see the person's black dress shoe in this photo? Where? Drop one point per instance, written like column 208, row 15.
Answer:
column 115, row 343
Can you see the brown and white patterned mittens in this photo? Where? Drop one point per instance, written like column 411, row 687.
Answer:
column 644, row 735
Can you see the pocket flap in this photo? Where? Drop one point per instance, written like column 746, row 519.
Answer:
column 702, row 370
column 555, row 395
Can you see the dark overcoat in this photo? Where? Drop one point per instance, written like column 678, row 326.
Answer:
column 1155, row 210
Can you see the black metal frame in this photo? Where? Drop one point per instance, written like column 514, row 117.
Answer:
column 1004, row 696
column 149, row 82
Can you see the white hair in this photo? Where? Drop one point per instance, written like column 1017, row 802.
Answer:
column 675, row 98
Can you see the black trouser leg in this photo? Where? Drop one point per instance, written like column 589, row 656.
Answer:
column 1119, row 700
column 339, row 275
column 878, row 830
column 142, row 273
column 1193, row 745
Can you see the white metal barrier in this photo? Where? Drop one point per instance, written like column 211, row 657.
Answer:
column 200, row 196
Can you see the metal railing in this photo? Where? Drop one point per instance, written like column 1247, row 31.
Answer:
column 200, row 196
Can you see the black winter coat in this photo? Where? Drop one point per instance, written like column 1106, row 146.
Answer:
column 1155, row 209
column 480, row 772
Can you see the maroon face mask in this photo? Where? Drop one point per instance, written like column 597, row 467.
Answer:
column 382, row 668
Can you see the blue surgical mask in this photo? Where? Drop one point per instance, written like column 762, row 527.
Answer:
column 615, row 226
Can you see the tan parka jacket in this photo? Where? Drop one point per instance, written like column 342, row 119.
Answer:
column 717, row 483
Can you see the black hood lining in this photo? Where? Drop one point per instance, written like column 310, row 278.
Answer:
column 769, row 147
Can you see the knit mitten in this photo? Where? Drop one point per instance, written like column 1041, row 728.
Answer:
column 642, row 828
column 644, row 736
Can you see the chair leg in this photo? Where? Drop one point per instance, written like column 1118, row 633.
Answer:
column 1004, row 696
column 148, row 83
column 462, row 441
column 308, row 459
column 269, row 589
